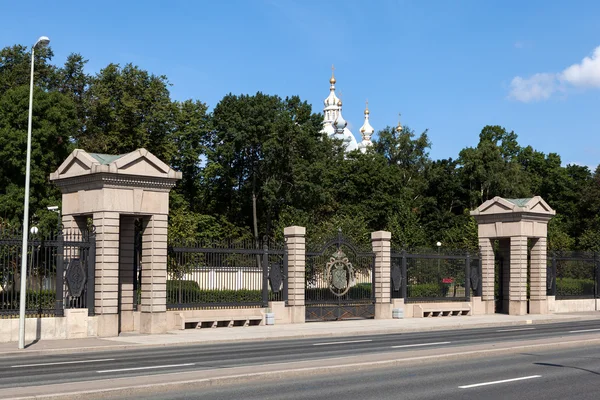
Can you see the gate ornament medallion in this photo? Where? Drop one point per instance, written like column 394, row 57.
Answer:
column 76, row 277
column 339, row 273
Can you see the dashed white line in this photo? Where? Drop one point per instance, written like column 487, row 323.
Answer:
column 142, row 368
column 419, row 344
column 497, row 382
column 62, row 363
column 585, row 330
column 344, row 342
column 515, row 329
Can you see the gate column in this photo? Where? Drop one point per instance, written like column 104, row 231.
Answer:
column 380, row 241
column 538, row 303
column 153, row 318
column 517, row 288
column 487, row 275
column 296, row 248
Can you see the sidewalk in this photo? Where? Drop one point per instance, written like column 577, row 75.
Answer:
column 273, row 332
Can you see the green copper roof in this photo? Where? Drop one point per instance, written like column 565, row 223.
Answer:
column 105, row 159
column 519, row 202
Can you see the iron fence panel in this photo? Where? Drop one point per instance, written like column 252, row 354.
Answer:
column 572, row 275
column 429, row 275
column 57, row 260
column 225, row 275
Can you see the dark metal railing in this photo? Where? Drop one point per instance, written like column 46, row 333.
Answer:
column 62, row 260
column 225, row 275
column 431, row 276
column 573, row 275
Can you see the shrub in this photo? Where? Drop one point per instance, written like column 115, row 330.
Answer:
column 189, row 292
column 571, row 287
column 34, row 300
column 425, row 290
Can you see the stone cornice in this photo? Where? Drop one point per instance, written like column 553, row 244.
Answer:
column 512, row 217
column 114, row 180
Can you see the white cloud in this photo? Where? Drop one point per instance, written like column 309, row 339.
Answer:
column 586, row 73
column 537, row 87
column 541, row 86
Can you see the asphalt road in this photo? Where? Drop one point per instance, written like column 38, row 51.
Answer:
column 547, row 375
column 24, row 370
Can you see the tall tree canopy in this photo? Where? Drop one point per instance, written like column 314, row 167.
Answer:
column 257, row 163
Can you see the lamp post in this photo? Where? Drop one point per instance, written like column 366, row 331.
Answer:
column 439, row 245
column 42, row 42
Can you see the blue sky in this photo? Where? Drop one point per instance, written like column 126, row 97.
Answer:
column 447, row 66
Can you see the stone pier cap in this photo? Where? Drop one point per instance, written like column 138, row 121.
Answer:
column 500, row 217
column 140, row 168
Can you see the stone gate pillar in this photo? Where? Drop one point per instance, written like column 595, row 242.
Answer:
column 296, row 247
column 487, row 275
column 538, row 303
column 380, row 241
column 513, row 222
column 113, row 191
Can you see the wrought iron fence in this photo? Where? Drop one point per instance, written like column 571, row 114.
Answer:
column 225, row 275
column 62, row 260
column 573, row 275
column 428, row 275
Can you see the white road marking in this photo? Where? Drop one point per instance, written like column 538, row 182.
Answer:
column 142, row 368
column 346, row 342
column 515, row 329
column 418, row 345
column 585, row 330
column 62, row 362
column 496, row 382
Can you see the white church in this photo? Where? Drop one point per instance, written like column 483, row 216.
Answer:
column 335, row 126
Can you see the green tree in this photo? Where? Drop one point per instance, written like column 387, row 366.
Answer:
column 258, row 143
column 129, row 108
column 191, row 132
column 15, row 68
column 53, row 119
column 492, row 168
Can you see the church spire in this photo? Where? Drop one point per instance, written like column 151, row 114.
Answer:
column 332, row 80
column 331, row 108
column 399, row 127
column 366, row 131
column 340, row 123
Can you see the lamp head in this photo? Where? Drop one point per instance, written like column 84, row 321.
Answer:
column 439, row 244
column 43, row 41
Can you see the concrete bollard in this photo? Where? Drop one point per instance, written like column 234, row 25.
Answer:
column 270, row 318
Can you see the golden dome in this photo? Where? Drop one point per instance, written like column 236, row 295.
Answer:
column 399, row 128
column 367, row 112
column 332, row 80
column 339, row 102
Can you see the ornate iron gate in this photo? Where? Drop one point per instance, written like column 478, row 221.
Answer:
column 339, row 282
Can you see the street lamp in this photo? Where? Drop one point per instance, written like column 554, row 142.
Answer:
column 42, row 42
column 439, row 245
column 56, row 210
